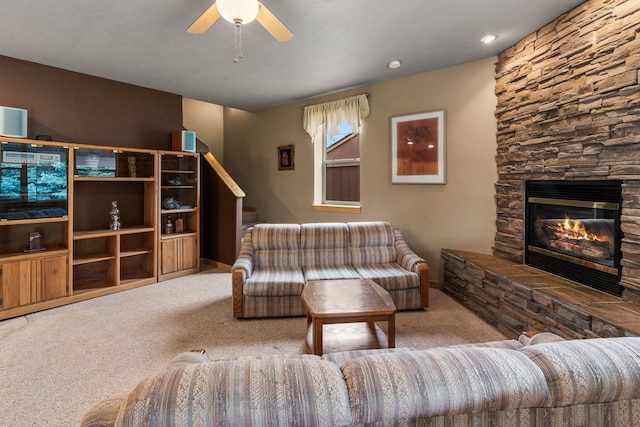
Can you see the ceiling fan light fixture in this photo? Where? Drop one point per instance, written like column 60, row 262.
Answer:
column 238, row 11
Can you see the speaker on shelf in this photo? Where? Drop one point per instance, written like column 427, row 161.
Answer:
column 183, row 140
column 13, row 122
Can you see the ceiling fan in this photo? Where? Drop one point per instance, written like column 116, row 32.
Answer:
column 241, row 12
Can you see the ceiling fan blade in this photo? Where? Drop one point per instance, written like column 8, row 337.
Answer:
column 205, row 20
column 272, row 24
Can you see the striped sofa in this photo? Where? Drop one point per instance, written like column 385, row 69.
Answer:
column 546, row 382
column 276, row 260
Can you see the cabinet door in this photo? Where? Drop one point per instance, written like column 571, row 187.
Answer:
column 170, row 255
column 179, row 254
column 30, row 281
column 53, row 273
column 189, row 256
column 16, row 283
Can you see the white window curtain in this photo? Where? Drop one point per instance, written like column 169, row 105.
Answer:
column 331, row 114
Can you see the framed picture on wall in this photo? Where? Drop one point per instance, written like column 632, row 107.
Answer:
column 417, row 149
column 286, row 157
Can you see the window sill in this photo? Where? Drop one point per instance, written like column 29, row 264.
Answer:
column 337, row 208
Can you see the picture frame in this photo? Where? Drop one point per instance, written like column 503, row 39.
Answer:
column 418, row 148
column 286, row 157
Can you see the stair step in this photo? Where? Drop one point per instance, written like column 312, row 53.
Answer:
column 249, row 216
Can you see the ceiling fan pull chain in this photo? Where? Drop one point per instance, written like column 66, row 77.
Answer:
column 238, row 42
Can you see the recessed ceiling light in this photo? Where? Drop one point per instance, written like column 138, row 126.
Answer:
column 488, row 38
column 394, row 64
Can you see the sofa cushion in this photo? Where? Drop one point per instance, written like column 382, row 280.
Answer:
column 324, row 251
column 324, row 244
column 266, row 392
column 371, row 243
column 276, row 245
column 390, row 276
column 330, row 273
column 589, row 371
column 342, row 356
column 507, row 344
column 274, row 282
column 444, row 381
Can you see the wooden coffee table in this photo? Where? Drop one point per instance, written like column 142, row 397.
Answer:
column 341, row 315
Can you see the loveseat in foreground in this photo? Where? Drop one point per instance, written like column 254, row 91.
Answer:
column 543, row 382
column 276, row 260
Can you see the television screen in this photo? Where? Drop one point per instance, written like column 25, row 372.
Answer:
column 33, row 181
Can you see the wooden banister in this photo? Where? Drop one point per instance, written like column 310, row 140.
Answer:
column 221, row 214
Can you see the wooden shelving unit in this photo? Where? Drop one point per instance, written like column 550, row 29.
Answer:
column 65, row 192
column 102, row 257
column 34, row 198
column 179, row 200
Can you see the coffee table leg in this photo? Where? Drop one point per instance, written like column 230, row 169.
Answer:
column 391, row 335
column 309, row 344
column 317, row 336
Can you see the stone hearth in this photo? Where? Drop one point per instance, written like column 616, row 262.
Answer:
column 516, row 298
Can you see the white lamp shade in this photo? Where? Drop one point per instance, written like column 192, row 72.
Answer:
column 242, row 11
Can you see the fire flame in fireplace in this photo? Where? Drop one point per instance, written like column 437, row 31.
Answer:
column 575, row 229
column 575, row 238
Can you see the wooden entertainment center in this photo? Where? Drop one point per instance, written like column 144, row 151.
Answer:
column 59, row 239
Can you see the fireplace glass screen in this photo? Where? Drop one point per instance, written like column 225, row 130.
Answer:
column 580, row 230
column 573, row 230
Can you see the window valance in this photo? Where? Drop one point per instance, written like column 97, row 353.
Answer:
column 330, row 114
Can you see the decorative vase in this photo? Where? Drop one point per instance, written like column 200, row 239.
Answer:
column 168, row 227
column 115, row 216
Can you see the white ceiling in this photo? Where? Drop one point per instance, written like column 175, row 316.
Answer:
column 337, row 44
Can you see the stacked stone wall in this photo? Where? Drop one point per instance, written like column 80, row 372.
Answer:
column 569, row 109
column 515, row 298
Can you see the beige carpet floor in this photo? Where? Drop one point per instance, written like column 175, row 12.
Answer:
column 56, row 364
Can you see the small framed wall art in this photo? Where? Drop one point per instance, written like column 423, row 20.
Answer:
column 286, row 158
column 417, row 149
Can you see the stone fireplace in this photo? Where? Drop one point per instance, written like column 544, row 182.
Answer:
column 572, row 229
column 568, row 109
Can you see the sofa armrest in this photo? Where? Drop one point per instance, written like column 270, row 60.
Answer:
column 241, row 270
column 188, row 358
column 412, row 262
column 244, row 262
column 103, row 414
column 404, row 255
column 533, row 337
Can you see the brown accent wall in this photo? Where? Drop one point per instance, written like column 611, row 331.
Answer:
column 74, row 107
column 569, row 108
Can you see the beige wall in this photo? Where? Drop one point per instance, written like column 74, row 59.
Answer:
column 459, row 214
column 207, row 121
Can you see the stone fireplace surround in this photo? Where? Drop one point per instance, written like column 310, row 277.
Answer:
column 568, row 108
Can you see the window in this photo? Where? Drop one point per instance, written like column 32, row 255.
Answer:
column 335, row 130
column 341, row 168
